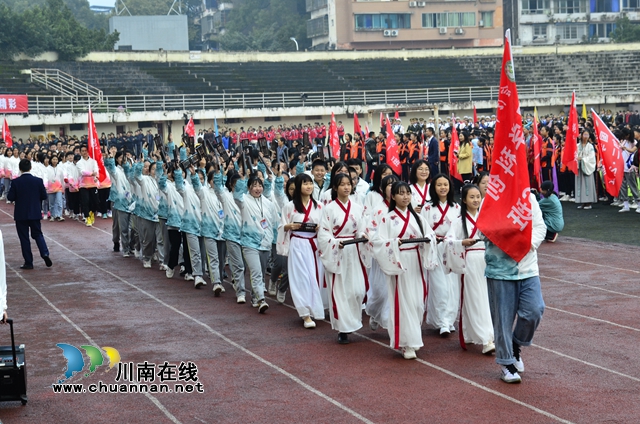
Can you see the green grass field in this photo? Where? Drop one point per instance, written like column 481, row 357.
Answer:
column 602, row 223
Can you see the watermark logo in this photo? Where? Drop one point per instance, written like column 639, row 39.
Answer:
column 76, row 363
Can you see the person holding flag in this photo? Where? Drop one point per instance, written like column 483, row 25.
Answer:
column 88, row 170
column 585, row 183
column 512, row 226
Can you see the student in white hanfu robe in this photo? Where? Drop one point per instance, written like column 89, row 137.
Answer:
column 464, row 255
column 419, row 179
column 306, row 273
column 444, row 293
column 378, row 295
column 345, row 266
column 406, row 266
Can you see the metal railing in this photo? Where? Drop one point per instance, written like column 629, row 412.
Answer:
column 63, row 83
column 194, row 102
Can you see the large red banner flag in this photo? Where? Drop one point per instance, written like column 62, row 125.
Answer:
column 537, row 149
column 190, row 129
column 454, row 149
column 6, row 134
column 393, row 158
column 570, row 151
column 506, row 215
column 356, row 126
column 334, row 139
column 93, row 146
column 475, row 115
column 612, row 161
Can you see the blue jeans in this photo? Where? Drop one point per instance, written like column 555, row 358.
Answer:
column 519, row 300
column 55, row 204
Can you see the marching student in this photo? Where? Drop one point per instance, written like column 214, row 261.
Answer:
column 406, row 268
column 378, row 295
column 232, row 226
column 55, row 185
column 298, row 243
column 464, row 255
column 419, row 179
column 259, row 221
column 283, row 193
column 345, row 269
column 147, row 209
column 444, row 293
column 551, row 211
column 191, row 226
column 320, row 184
column 88, row 169
column 375, row 198
column 175, row 210
column 339, row 168
column 72, row 183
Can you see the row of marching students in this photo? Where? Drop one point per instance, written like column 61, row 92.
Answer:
column 306, row 225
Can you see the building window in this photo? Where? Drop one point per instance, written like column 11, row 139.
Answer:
column 539, row 32
column 487, row 19
column 601, row 30
column 570, row 32
column 370, row 22
column 533, row 7
column 630, row 4
column 439, row 20
column 318, row 26
column 571, row 6
column 602, row 6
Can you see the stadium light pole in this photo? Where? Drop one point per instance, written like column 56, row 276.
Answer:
column 294, row 40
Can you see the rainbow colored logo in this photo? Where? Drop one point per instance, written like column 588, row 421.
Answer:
column 76, row 362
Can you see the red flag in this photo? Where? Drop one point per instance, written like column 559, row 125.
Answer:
column 612, row 160
column 454, row 148
column 475, row 115
column 356, row 125
column 393, row 158
column 366, row 128
column 93, row 146
column 190, row 129
column 570, row 151
column 537, row 150
column 397, row 115
column 506, row 216
column 334, row 139
column 381, row 120
column 6, row 134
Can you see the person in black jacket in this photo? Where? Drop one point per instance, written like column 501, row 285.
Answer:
column 28, row 192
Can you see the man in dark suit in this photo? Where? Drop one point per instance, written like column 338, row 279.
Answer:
column 28, row 192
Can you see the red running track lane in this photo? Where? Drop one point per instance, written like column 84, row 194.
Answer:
column 268, row 368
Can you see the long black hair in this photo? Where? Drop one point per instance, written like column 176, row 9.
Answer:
column 435, row 199
column 463, row 206
column 232, row 179
column 395, row 189
column 386, row 181
column 297, row 193
column 336, row 180
column 290, row 182
column 413, row 176
column 377, row 177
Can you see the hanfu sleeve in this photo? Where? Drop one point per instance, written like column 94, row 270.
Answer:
column 453, row 258
column 386, row 249
column 282, row 243
column 428, row 251
column 329, row 246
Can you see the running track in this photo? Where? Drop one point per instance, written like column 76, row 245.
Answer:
column 583, row 366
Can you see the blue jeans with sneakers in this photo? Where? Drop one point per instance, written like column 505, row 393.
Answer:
column 509, row 300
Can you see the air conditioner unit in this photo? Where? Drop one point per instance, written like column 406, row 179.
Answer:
column 442, row 30
column 481, row 23
column 459, row 31
column 394, row 32
column 387, row 33
column 422, row 3
column 413, row 4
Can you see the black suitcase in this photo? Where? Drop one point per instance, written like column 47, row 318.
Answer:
column 13, row 371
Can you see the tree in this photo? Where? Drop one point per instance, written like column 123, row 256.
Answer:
column 266, row 25
column 80, row 8
column 626, row 31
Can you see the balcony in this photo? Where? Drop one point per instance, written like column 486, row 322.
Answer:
column 316, row 4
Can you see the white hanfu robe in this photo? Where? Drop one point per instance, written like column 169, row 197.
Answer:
column 405, row 267
column 377, row 306
column 345, row 269
column 444, row 293
column 306, row 273
column 468, row 262
column 419, row 196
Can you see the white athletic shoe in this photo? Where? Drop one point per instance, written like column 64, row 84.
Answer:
column 308, row 322
column 126, row 255
column 217, row 289
column 146, row 264
column 373, row 325
column 409, row 353
column 169, row 272
column 263, row 306
column 109, row 214
column 189, row 277
column 281, row 296
column 241, row 299
column 162, row 267
column 509, row 376
column 199, row 282
column 624, row 209
column 489, row 348
column 519, row 365
column 272, row 288
column 633, row 205
column 98, row 215
column 137, row 254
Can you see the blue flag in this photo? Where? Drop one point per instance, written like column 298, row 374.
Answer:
column 215, row 126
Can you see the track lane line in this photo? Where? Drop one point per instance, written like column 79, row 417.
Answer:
column 592, row 318
column 591, row 287
column 588, row 263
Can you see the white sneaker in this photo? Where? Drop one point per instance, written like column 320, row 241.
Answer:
column 136, row 254
column 52, row 219
column 272, row 288
column 409, row 353
column 638, row 210
column 633, row 205
column 241, row 299
column 109, row 214
column 169, row 272
column 508, row 376
column 162, row 267
column 373, row 325
column 308, row 322
column 444, row 332
column 254, row 302
column 519, row 365
column 489, row 348
column 98, row 215
column 616, row 203
column 126, row 255
column 146, row 264
column 263, row 306
column 281, row 296
column 625, row 209
column 217, row 289
column 199, row 282
column 564, row 198
column 189, row 277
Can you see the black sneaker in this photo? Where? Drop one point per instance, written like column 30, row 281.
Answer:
column 116, row 247
column 343, row 338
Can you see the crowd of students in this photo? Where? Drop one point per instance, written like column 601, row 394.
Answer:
column 339, row 236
